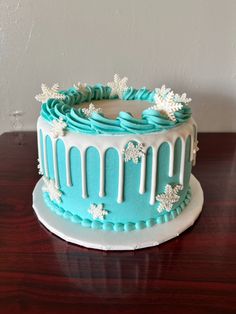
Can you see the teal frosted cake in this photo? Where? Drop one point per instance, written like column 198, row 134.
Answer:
column 114, row 157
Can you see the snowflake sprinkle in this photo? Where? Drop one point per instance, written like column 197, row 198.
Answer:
column 169, row 198
column 182, row 99
column 168, row 103
column 97, row 211
column 51, row 188
column 118, row 86
column 40, row 168
column 58, row 127
column 81, row 87
column 90, row 110
column 195, row 150
column 49, row 93
column 133, row 152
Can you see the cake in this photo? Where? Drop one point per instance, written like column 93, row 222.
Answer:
column 113, row 157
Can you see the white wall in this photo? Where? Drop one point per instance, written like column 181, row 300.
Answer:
column 190, row 45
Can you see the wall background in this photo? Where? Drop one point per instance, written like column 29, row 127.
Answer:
column 190, row 45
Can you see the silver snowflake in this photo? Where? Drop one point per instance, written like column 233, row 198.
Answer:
column 182, row 99
column 81, row 87
column 90, row 110
column 169, row 198
column 133, row 152
column 40, row 168
column 168, row 103
column 48, row 93
column 97, row 211
column 53, row 190
column 118, row 86
column 195, row 150
column 58, row 127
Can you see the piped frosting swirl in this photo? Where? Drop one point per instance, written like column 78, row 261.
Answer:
column 151, row 120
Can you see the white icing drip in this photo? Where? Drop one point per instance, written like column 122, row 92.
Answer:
column 55, row 167
column 191, row 149
column 39, row 147
column 193, row 136
column 45, row 161
column 182, row 161
column 195, row 140
column 171, row 160
column 154, row 175
column 102, row 174
column 103, row 142
column 68, row 172
column 143, row 174
column 83, row 173
column 121, row 178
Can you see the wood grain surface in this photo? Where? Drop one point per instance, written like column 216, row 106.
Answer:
column 194, row 273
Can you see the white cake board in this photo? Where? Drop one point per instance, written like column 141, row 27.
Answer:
column 110, row 240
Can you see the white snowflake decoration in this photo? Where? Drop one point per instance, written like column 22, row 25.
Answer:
column 133, row 152
column 168, row 103
column 51, row 188
column 40, row 168
column 118, row 86
column 48, row 93
column 90, row 110
column 169, row 198
column 97, row 211
column 195, row 150
column 58, row 127
column 182, row 99
column 81, row 87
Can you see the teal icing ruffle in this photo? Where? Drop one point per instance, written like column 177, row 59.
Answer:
column 129, row 226
column 151, row 120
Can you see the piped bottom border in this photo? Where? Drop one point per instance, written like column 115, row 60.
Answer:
column 119, row 241
column 119, row 226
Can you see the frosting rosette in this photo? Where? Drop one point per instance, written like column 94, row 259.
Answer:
column 69, row 109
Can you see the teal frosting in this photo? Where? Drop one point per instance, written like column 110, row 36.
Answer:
column 151, row 120
column 135, row 211
column 118, row 226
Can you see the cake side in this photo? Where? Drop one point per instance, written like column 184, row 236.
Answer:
column 92, row 170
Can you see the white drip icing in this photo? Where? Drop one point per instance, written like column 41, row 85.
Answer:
column 143, row 174
column 102, row 174
column 82, row 142
column 55, row 167
column 171, row 160
column 83, row 173
column 68, row 172
column 191, row 149
column 121, row 179
column 39, row 148
column 45, row 161
column 194, row 140
column 154, row 175
column 182, row 161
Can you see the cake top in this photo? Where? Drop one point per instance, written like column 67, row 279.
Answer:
column 114, row 108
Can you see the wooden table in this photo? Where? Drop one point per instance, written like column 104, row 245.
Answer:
column 194, row 273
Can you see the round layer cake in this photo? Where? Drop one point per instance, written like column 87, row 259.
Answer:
column 114, row 157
